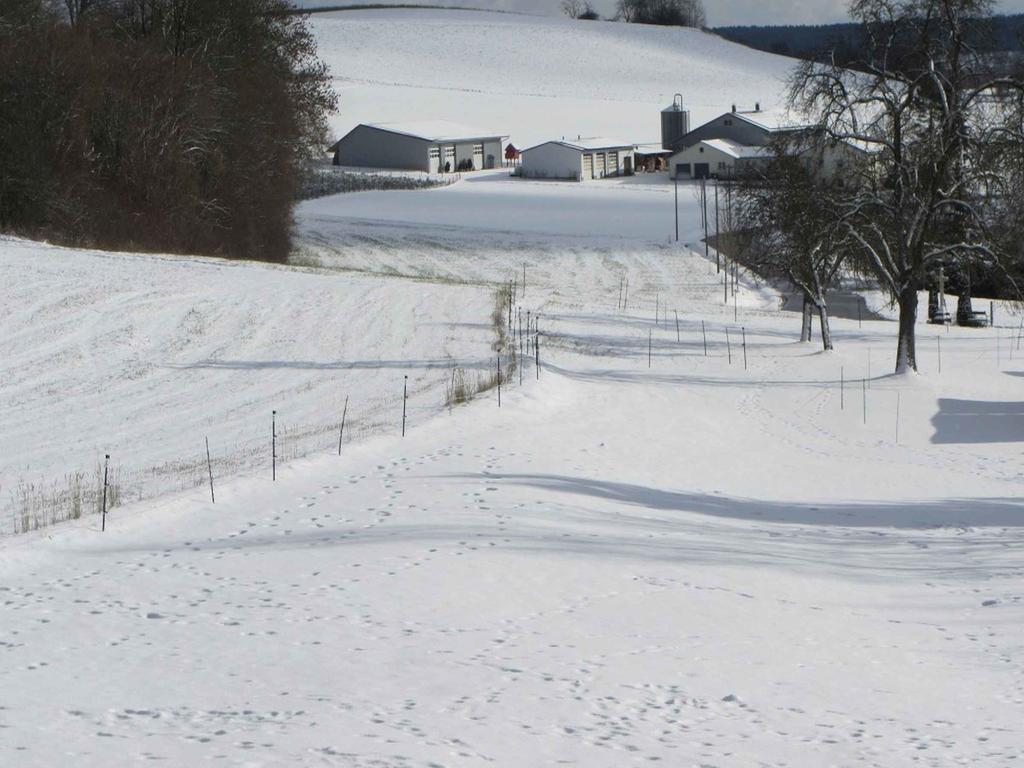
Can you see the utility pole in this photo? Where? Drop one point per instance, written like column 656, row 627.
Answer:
column 676, row 180
column 718, row 242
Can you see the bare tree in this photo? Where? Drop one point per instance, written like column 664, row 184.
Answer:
column 919, row 106
column 681, row 13
column 790, row 215
column 572, row 8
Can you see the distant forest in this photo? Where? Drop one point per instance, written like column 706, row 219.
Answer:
column 1001, row 33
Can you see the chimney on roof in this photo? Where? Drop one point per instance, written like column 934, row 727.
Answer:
column 757, row 106
column 734, row 108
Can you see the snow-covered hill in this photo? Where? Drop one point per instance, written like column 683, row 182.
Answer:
column 536, row 78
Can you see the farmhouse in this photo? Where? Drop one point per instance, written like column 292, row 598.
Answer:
column 435, row 146
column 580, row 160
column 726, row 145
column 713, row 157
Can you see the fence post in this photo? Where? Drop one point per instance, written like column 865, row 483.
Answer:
column 405, row 400
column 744, row 330
column 344, row 413
column 704, row 333
column 106, row 467
column 209, row 469
column 273, row 445
column 864, row 394
column 536, row 349
column 728, row 345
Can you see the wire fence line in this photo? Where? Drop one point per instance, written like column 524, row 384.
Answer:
column 33, row 505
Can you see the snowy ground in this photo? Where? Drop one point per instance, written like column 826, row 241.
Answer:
column 700, row 544
column 536, row 78
column 682, row 561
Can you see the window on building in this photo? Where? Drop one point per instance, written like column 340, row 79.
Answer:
column 722, row 166
column 435, row 153
column 478, row 149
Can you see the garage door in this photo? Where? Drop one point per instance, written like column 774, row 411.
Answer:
column 613, row 163
column 599, row 166
column 588, row 166
column 478, row 156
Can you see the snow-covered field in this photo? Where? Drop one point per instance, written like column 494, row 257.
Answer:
column 688, row 540
column 690, row 563
column 536, row 78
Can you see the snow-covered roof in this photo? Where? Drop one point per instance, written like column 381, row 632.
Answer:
column 773, row 119
column 735, row 150
column 590, row 144
column 437, row 130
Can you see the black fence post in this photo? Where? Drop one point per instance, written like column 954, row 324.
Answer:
column 209, row 469
column 273, row 445
column 106, row 467
column 405, row 400
column 341, row 432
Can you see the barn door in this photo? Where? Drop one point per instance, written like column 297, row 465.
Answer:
column 588, row 166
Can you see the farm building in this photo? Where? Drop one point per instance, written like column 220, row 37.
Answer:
column 581, row 159
column 722, row 147
column 435, row 146
column 713, row 157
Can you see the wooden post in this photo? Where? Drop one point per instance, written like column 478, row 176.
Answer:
column 405, row 400
column 106, row 467
column 744, row 348
column 536, row 349
column 704, row 333
column 728, row 345
column 344, row 413
column 273, row 446
column 209, row 469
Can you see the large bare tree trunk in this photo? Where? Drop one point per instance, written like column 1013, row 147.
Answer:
column 826, row 332
column 806, row 320
column 906, row 352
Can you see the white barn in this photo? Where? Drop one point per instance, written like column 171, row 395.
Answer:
column 713, row 157
column 434, row 146
column 580, row 160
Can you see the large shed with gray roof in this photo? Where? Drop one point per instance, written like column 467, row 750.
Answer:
column 579, row 160
column 435, row 146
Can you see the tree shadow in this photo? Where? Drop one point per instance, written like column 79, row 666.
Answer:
column 978, row 421
column 917, row 515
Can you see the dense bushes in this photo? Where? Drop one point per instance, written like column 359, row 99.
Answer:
column 170, row 125
column 672, row 13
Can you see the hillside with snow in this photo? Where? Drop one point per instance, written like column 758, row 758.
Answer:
column 536, row 78
column 674, row 535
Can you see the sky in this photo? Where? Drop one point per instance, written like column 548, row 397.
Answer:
column 720, row 12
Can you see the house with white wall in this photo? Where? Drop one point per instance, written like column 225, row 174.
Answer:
column 580, row 159
column 723, row 147
column 433, row 146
